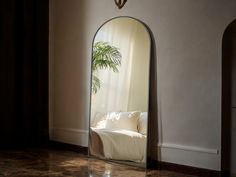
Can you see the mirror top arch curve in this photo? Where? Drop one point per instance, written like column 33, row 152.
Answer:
column 146, row 28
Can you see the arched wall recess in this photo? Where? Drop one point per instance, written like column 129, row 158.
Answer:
column 228, row 143
column 123, row 109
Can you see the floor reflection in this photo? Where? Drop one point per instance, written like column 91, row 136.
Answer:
column 61, row 163
column 110, row 169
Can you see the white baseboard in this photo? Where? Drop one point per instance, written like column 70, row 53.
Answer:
column 185, row 155
column 70, row 136
column 190, row 155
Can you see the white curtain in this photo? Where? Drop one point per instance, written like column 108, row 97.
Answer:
column 115, row 87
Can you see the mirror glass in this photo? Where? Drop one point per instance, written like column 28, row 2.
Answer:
column 120, row 91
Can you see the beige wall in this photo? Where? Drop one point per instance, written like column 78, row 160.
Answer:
column 188, row 36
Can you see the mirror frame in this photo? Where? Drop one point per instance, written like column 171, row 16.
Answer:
column 149, row 160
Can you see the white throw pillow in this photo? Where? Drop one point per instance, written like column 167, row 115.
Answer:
column 99, row 120
column 123, row 120
column 142, row 123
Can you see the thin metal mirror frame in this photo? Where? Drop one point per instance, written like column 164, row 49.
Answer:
column 148, row 160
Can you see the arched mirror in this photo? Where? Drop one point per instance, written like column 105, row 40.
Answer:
column 120, row 91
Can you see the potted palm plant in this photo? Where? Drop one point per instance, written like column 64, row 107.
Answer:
column 105, row 56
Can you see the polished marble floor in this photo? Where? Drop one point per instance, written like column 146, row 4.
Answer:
column 62, row 163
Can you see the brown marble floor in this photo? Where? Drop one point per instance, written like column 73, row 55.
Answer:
column 62, row 163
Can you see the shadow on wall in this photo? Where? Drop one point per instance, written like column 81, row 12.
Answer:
column 69, row 78
column 228, row 147
column 153, row 112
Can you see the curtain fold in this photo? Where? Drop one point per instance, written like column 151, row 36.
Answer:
column 127, row 89
column 24, row 72
column 114, row 92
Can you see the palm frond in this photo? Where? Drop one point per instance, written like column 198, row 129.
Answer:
column 95, row 84
column 104, row 56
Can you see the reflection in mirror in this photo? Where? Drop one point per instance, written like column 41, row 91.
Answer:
column 119, row 93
